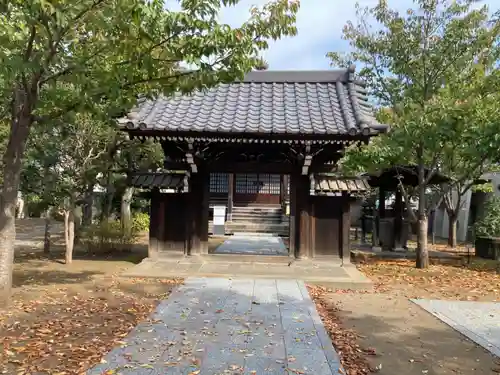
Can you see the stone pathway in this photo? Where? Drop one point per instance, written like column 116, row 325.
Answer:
column 252, row 245
column 213, row 326
column 479, row 321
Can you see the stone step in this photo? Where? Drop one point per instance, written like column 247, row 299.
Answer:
column 281, row 229
column 263, row 215
column 254, row 204
column 257, row 209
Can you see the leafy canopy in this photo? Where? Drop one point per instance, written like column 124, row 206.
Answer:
column 432, row 70
column 69, row 55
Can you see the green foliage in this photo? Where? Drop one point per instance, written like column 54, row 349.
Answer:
column 140, row 222
column 485, row 188
column 489, row 225
column 433, row 72
column 83, row 54
column 63, row 159
column 106, row 237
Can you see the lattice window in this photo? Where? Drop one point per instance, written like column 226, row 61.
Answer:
column 258, row 184
column 219, row 182
column 274, row 184
column 241, row 183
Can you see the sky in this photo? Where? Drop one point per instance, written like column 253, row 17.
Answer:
column 319, row 24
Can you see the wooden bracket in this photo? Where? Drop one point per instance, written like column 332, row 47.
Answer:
column 307, row 161
column 190, row 158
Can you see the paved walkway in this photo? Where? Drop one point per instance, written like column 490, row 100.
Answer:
column 479, row 321
column 213, row 326
column 252, row 245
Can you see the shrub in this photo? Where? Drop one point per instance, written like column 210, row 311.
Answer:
column 140, row 222
column 489, row 225
column 106, row 236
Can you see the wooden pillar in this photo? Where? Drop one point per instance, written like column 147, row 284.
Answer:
column 398, row 221
column 230, row 195
column 161, row 226
column 345, row 228
column 197, row 219
column 292, row 247
column 153, row 224
column 301, row 216
column 381, row 202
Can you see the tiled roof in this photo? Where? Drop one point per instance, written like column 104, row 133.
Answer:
column 330, row 185
column 265, row 102
column 149, row 180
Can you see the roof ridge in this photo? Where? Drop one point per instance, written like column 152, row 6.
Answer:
column 298, row 76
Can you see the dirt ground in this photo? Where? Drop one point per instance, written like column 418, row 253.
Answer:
column 401, row 338
column 64, row 318
column 382, row 331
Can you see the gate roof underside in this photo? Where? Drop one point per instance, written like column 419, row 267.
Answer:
column 324, row 104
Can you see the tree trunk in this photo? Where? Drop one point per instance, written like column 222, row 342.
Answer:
column 20, row 206
column 422, row 254
column 46, row 237
column 69, row 234
column 126, row 213
column 87, row 207
column 452, row 230
column 77, row 219
column 12, row 159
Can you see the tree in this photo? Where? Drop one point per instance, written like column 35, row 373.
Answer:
column 132, row 155
column 82, row 146
column 464, row 159
column 68, row 56
column 262, row 65
column 414, row 64
column 63, row 160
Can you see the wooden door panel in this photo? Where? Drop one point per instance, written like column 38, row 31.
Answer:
column 327, row 226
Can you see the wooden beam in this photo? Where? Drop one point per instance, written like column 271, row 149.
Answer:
column 251, row 167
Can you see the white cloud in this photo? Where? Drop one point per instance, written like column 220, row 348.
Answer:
column 319, row 24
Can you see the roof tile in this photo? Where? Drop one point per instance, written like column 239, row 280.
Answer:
column 149, row 180
column 314, row 102
column 322, row 184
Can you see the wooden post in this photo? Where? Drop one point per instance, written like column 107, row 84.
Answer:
column 153, row 224
column 161, row 225
column 381, row 202
column 398, row 222
column 303, row 217
column 198, row 201
column 345, row 228
column 205, row 210
column 293, row 235
column 230, row 195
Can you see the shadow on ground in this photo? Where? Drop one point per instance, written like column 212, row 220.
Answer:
column 57, row 254
column 50, row 277
column 401, row 338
